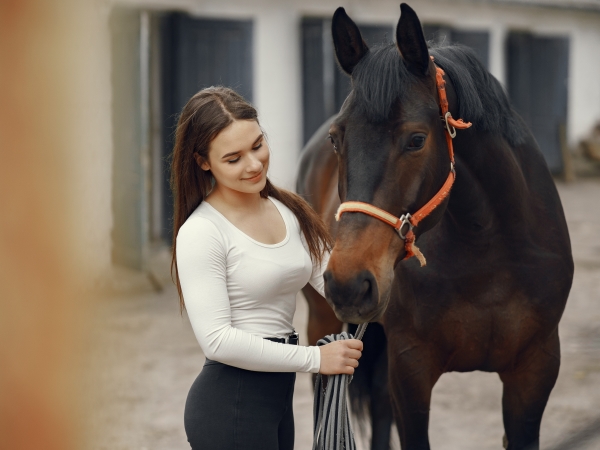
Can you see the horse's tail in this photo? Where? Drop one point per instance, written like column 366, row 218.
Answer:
column 369, row 393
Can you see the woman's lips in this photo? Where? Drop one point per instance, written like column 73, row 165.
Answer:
column 255, row 178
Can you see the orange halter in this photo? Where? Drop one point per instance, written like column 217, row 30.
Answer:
column 405, row 223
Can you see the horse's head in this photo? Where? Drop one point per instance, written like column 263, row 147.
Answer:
column 392, row 154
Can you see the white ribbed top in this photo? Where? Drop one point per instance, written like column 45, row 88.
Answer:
column 238, row 291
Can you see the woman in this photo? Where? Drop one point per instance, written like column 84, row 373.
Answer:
column 242, row 250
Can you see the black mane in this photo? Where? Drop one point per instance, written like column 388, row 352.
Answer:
column 381, row 78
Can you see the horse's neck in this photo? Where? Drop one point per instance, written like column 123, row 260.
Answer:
column 489, row 188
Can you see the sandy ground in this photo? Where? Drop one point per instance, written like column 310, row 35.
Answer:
column 144, row 358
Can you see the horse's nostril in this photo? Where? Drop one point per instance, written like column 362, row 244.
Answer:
column 358, row 295
column 368, row 294
column 365, row 291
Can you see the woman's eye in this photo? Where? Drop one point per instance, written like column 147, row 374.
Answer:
column 233, row 161
column 257, row 147
column 417, row 142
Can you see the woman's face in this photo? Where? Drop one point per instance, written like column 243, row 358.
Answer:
column 238, row 158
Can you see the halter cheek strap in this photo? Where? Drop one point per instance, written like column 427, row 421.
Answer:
column 405, row 223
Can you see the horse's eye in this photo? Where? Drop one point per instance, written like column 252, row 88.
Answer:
column 417, row 142
column 330, row 137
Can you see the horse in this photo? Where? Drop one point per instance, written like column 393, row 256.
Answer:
column 494, row 266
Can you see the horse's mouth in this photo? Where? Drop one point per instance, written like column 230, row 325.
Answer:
column 354, row 314
column 357, row 318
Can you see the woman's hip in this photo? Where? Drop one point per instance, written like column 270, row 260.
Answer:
column 233, row 408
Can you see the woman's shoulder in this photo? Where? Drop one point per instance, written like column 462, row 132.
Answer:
column 287, row 213
column 202, row 224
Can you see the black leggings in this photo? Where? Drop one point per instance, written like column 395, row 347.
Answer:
column 235, row 409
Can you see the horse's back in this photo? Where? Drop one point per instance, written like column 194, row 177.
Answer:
column 318, row 175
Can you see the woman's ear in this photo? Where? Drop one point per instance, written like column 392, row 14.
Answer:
column 201, row 161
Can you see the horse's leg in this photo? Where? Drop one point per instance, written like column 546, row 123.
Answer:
column 413, row 373
column 381, row 406
column 321, row 318
column 526, row 392
column 369, row 387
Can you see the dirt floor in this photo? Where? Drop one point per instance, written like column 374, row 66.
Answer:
column 144, row 358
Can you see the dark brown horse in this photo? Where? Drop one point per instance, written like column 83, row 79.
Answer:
column 499, row 264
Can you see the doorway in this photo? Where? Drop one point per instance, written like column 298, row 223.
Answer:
column 537, row 76
column 197, row 53
column 159, row 60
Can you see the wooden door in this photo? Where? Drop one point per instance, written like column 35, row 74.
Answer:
column 198, row 53
column 324, row 85
column 537, row 75
column 479, row 41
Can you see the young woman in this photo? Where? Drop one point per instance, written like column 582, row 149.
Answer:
column 242, row 250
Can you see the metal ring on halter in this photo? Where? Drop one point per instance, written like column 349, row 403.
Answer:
column 452, row 132
column 405, row 219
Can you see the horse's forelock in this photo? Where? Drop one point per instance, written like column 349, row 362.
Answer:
column 379, row 80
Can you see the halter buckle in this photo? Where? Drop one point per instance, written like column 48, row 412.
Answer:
column 404, row 220
column 451, row 130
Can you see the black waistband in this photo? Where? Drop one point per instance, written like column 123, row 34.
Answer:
column 290, row 340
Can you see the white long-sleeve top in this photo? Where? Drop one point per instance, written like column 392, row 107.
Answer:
column 238, row 291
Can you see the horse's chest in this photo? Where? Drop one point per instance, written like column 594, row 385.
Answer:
column 471, row 338
column 478, row 327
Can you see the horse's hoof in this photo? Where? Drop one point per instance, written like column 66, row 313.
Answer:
column 504, row 441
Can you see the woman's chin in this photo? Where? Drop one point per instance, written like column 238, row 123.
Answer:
column 261, row 184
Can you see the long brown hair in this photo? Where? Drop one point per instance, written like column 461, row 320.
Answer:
column 204, row 116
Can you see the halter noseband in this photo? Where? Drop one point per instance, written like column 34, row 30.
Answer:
column 405, row 223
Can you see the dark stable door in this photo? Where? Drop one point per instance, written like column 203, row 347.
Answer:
column 537, row 72
column 478, row 41
column 198, row 53
column 324, row 85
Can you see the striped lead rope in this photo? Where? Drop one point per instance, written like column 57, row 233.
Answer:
column 332, row 428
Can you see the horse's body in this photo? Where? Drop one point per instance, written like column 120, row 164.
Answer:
column 499, row 265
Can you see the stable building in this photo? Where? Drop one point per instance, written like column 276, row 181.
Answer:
column 153, row 55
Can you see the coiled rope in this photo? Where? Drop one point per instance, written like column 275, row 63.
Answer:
column 332, row 428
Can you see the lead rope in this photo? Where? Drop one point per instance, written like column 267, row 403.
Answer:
column 332, row 428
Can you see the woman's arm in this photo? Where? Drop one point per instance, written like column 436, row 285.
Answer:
column 316, row 278
column 202, row 267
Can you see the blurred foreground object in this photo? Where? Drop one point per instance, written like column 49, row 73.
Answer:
column 40, row 326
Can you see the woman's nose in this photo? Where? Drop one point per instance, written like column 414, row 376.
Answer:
column 255, row 164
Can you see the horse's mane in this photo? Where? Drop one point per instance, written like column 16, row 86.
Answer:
column 381, row 78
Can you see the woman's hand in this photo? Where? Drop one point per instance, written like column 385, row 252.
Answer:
column 340, row 357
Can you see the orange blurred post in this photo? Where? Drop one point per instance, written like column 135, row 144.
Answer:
column 39, row 311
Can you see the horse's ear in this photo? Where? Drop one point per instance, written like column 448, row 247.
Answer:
column 347, row 40
column 411, row 41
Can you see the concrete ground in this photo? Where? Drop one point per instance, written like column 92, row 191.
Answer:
column 145, row 357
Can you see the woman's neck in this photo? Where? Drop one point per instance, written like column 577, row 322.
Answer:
column 232, row 200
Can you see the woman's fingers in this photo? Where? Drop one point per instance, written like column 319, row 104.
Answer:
column 340, row 357
column 354, row 343
column 352, row 362
column 354, row 354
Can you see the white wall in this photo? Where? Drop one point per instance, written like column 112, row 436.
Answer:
column 277, row 75
column 277, row 81
column 91, row 135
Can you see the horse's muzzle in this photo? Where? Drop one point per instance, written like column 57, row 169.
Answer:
column 355, row 300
